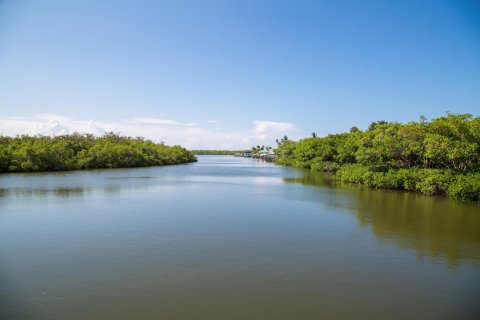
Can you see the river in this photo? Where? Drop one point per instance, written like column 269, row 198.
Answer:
column 231, row 238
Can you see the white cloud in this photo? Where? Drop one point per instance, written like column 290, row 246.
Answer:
column 51, row 117
column 161, row 122
column 270, row 129
column 155, row 121
column 171, row 132
column 212, row 121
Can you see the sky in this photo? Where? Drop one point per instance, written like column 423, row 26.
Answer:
column 232, row 74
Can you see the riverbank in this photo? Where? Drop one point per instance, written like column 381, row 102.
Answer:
column 85, row 151
column 440, row 157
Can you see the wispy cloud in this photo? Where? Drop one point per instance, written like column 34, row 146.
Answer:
column 155, row 121
column 190, row 135
column 212, row 121
column 161, row 122
column 271, row 129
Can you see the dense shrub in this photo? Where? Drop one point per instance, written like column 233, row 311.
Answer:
column 465, row 187
column 434, row 181
column 326, row 166
column 440, row 157
column 77, row 151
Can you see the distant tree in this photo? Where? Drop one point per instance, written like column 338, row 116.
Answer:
column 373, row 125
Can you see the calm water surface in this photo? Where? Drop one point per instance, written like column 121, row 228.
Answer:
column 231, row 238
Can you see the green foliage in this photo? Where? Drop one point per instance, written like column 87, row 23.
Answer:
column 285, row 151
column 427, row 181
column 466, row 187
column 438, row 157
column 77, row 151
column 434, row 181
column 325, row 166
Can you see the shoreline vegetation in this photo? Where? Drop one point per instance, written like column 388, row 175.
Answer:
column 84, row 151
column 440, row 157
column 437, row 157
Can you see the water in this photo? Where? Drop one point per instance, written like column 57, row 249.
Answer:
column 231, row 238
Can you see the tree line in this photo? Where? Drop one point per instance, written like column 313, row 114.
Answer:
column 216, row 152
column 441, row 156
column 84, row 151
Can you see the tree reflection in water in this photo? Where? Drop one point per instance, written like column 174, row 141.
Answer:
column 436, row 227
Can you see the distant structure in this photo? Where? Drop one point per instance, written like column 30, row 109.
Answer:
column 266, row 155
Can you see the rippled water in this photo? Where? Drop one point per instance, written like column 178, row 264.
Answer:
column 231, row 238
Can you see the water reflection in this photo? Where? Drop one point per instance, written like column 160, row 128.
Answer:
column 63, row 192
column 438, row 228
column 228, row 234
column 60, row 192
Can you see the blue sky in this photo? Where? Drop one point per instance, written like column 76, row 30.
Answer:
column 229, row 74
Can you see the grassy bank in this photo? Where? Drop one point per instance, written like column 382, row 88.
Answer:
column 84, row 151
column 440, row 157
